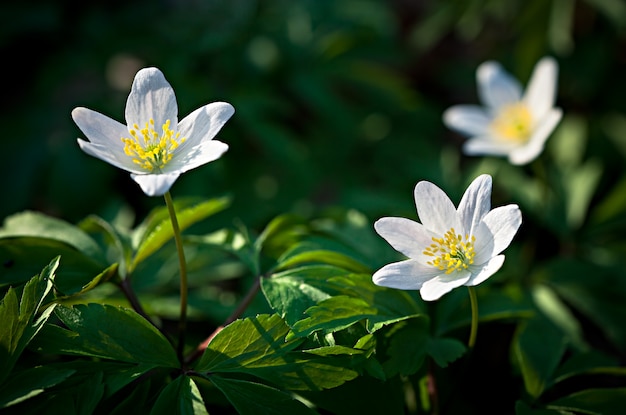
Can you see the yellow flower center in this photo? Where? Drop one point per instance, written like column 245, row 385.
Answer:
column 150, row 149
column 452, row 252
column 513, row 123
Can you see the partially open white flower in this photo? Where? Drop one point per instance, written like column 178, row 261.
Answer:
column 451, row 247
column 509, row 124
column 153, row 146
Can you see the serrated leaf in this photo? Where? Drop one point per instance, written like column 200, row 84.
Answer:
column 339, row 312
column 250, row 398
column 445, row 351
column 538, row 347
column 158, row 229
column 291, row 292
column 407, row 347
column 107, row 332
column 19, row 325
column 609, row 401
column 29, row 383
column 180, row 397
column 38, row 225
column 257, row 346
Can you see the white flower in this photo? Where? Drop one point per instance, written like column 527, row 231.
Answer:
column 451, row 247
column 153, row 146
column 510, row 124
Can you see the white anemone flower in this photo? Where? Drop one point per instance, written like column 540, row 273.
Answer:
column 509, row 123
column 450, row 247
column 153, row 145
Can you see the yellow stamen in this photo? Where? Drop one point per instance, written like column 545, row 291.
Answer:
column 452, row 252
column 513, row 123
column 148, row 148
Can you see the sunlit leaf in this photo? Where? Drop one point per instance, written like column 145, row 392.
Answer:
column 257, row 346
column 38, row 225
column 158, row 228
column 21, row 324
column 339, row 312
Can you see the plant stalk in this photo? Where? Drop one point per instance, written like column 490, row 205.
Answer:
column 182, row 322
column 474, row 327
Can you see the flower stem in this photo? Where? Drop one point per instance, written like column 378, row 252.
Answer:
column 474, row 329
column 182, row 322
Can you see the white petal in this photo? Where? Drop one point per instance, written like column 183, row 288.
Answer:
column 487, row 145
column 106, row 153
column 541, row 90
column 496, row 87
column 151, row 97
column 155, row 184
column 496, row 232
column 202, row 154
column 404, row 235
column 486, row 271
column 442, row 284
column 534, row 147
column 435, row 210
column 404, row 275
column 469, row 120
column 100, row 129
column 204, row 123
column 476, row 202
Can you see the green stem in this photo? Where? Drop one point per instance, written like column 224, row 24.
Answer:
column 182, row 322
column 474, row 329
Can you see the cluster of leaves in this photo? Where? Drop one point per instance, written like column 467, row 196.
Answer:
column 74, row 343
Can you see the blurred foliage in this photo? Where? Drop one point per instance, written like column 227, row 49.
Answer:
column 338, row 115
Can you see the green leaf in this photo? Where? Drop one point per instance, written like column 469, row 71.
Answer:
column 521, row 408
column 107, row 332
column 538, row 347
column 337, row 313
column 19, row 325
column 445, row 351
column 407, row 347
column 29, row 383
column 233, row 242
column 257, row 346
column 601, row 298
column 26, row 256
column 590, row 362
column 180, row 397
column 322, row 256
column 38, row 225
column 250, row 398
column 157, row 230
column 610, row 401
column 119, row 240
column 291, row 292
